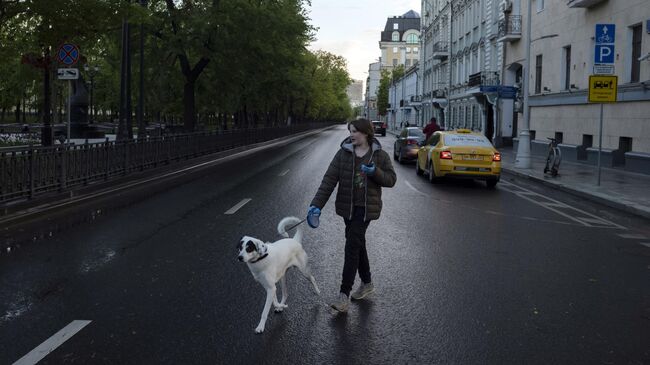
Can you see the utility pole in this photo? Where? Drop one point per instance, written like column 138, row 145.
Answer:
column 142, row 129
column 522, row 160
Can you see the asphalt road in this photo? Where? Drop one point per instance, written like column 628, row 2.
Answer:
column 464, row 274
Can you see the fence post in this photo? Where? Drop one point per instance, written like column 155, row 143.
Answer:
column 31, row 170
column 64, row 174
column 108, row 158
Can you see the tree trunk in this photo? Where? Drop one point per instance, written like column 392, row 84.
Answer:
column 189, row 108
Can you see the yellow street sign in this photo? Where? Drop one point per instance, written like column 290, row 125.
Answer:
column 602, row 89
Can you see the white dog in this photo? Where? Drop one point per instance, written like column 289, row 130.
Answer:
column 269, row 262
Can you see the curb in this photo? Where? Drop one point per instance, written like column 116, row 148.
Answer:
column 604, row 200
column 34, row 209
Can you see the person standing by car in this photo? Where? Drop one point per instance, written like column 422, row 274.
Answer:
column 360, row 168
column 431, row 128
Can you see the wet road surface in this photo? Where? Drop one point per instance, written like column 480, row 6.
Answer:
column 464, row 274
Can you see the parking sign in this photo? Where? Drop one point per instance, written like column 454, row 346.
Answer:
column 604, row 54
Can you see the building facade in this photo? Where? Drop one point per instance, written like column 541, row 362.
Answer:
column 404, row 101
column 562, row 57
column 400, row 41
column 372, row 84
column 355, row 93
column 434, row 59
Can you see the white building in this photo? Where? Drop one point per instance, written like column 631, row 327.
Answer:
column 355, row 93
column 562, row 58
column 404, row 100
column 372, row 84
column 475, row 60
column 434, row 59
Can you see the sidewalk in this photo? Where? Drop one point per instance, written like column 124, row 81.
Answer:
column 619, row 189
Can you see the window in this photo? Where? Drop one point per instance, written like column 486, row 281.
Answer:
column 408, row 62
column 636, row 53
column 540, row 5
column 394, row 61
column 395, row 37
column 408, row 49
column 415, row 50
column 394, row 49
column 538, row 74
column 567, row 67
column 412, row 39
column 395, row 26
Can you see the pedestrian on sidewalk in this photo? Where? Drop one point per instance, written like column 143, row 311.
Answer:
column 431, row 128
column 360, row 168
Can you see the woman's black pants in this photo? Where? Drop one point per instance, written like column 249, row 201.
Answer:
column 356, row 256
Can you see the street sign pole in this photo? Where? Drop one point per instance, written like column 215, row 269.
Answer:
column 600, row 141
column 69, row 108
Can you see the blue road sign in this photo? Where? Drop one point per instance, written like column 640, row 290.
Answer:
column 68, row 54
column 604, row 54
column 605, row 33
column 508, row 92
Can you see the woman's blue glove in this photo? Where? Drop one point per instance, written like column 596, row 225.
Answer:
column 313, row 216
column 368, row 169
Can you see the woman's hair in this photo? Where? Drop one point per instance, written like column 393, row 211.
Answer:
column 364, row 126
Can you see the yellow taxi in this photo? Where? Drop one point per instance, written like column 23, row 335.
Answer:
column 459, row 153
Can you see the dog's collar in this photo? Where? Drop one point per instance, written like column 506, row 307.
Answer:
column 260, row 259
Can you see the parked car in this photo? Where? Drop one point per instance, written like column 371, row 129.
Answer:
column 380, row 127
column 407, row 144
column 460, row 153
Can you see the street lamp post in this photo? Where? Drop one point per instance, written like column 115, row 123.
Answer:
column 91, row 71
column 522, row 160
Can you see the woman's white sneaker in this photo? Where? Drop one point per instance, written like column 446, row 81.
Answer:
column 363, row 291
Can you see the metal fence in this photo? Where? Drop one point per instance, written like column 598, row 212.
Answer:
column 29, row 171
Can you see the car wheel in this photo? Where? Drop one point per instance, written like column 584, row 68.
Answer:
column 400, row 158
column 395, row 152
column 491, row 183
column 418, row 171
column 432, row 174
column 383, row 134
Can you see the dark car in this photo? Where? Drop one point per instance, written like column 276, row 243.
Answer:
column 380, row 127
column 407, row 144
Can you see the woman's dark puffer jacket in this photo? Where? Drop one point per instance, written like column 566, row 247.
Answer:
column 341, row 171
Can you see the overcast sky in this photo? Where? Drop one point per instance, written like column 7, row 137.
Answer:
column 352, row 28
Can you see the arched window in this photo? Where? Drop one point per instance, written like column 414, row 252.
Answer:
column 395, row 37
column 412, row 39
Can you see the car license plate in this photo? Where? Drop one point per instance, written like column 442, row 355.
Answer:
column 473, row 157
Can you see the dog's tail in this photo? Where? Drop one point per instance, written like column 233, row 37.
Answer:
column 290, row 221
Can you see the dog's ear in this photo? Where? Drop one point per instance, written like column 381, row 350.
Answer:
column 251, row 246
column 240, row 244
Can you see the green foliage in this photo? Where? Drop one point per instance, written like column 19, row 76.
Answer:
column 239, row 60
column 387, row 79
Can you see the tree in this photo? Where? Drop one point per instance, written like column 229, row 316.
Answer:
column 387, row 79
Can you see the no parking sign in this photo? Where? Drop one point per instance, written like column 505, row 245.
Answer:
column 68, row 54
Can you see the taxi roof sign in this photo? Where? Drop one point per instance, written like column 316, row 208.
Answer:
column 602, row 89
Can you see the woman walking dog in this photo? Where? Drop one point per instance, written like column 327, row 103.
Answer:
column 360, row 168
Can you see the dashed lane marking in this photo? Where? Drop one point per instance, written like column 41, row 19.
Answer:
column 632, row 236
column 234, row 209
column 284, row 173
column 563, row 209
column 52, row 343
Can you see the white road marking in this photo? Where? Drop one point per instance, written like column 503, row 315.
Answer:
column 52, row 343
column 414, row 189
column 565, row 210
column 284, row 173
column 632, row 236
column 234, row 209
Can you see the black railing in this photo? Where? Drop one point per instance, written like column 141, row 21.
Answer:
column 510, row 25
column 439, row 47
column 32, row 170
column 483, row 78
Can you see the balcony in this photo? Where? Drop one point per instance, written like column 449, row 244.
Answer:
column 583, row 3
column 483, row 78
column 440, row 50
column 510, row 28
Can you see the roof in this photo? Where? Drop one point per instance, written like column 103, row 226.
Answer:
column 410, row 20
